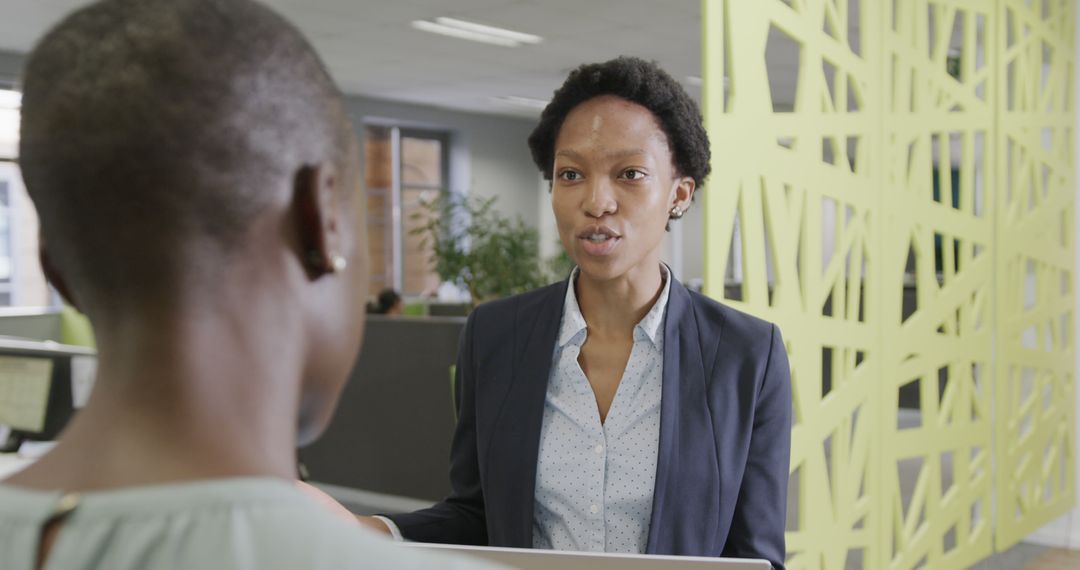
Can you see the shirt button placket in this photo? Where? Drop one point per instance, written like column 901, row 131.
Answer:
column 598, row 536
column 596, row 510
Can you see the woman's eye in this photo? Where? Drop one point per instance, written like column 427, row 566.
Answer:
column 569, row 175
column 633, row 174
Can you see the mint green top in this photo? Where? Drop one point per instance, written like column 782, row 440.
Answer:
column 244, row 523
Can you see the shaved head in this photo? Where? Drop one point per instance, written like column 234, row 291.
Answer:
column 155, row 131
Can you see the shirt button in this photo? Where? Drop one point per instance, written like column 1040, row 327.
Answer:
column 594, row 509
column 598, row 449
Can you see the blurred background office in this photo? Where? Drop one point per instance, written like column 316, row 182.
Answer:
column 894, row 184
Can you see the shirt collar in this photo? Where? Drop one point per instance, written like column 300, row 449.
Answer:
column 573, row 322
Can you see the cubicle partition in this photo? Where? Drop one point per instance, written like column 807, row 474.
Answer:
column 30, row 323
column 391, row 433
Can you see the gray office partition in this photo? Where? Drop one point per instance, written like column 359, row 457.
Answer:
column 391, row 433
column 30, row 323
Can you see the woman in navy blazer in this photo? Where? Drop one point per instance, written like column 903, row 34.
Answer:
column 626, row 148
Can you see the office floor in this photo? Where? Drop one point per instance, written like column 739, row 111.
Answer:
column 1018, row 557
column 1056, row 559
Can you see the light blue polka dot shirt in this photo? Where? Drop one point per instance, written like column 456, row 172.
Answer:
column 594, row 482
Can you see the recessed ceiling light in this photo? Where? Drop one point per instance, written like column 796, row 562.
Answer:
column 527, row 102
column 512, row 35
column 10, row 99
column 475, row 32
column 434, row 28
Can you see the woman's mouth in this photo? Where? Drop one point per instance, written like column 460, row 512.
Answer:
column 599, row 241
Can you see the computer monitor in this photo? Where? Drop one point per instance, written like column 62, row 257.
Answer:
column 25, row 384
column 42, row 384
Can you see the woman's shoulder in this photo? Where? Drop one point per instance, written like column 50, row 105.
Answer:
column 717, row 315
column 503, row 323
column 737, row 332
column 733, row 342
column 523, row 304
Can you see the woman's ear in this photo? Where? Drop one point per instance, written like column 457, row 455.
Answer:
column 683, row 193
column 315, row 213
column 52, row 275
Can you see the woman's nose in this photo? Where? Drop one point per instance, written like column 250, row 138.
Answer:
column 599, row 200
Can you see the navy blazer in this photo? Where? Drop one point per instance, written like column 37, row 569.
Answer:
column 725, row 430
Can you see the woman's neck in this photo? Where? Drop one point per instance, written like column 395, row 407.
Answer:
column 179, row 399
column 614, row 307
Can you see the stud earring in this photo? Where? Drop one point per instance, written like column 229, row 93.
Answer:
column 677, row 212
column 338, row 263
column 317, row 262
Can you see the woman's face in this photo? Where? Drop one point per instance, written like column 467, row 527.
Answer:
column 613, row 187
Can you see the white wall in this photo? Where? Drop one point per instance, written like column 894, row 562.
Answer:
column 693, row 240
column 549, row 232
column 10, row 64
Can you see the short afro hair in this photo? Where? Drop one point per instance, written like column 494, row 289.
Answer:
column 638, row 81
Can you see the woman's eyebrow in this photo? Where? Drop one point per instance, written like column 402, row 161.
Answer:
column 620, row 153
column 623, row 153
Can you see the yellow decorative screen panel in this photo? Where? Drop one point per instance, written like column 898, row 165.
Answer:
column 792, row 200
column 937, row 294
column 893, row 185
column 1035, row 265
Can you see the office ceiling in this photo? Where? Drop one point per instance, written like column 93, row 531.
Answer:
column 371, row 49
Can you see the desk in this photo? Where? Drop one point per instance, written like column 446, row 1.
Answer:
column 10, row 463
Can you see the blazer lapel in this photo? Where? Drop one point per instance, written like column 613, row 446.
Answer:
column 687, row 493
column 522, row 413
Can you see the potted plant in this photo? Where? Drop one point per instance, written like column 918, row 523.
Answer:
column 474, row 246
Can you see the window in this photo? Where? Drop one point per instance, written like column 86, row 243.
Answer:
column 402, row 169
column 22, row 283
column 6, row 261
